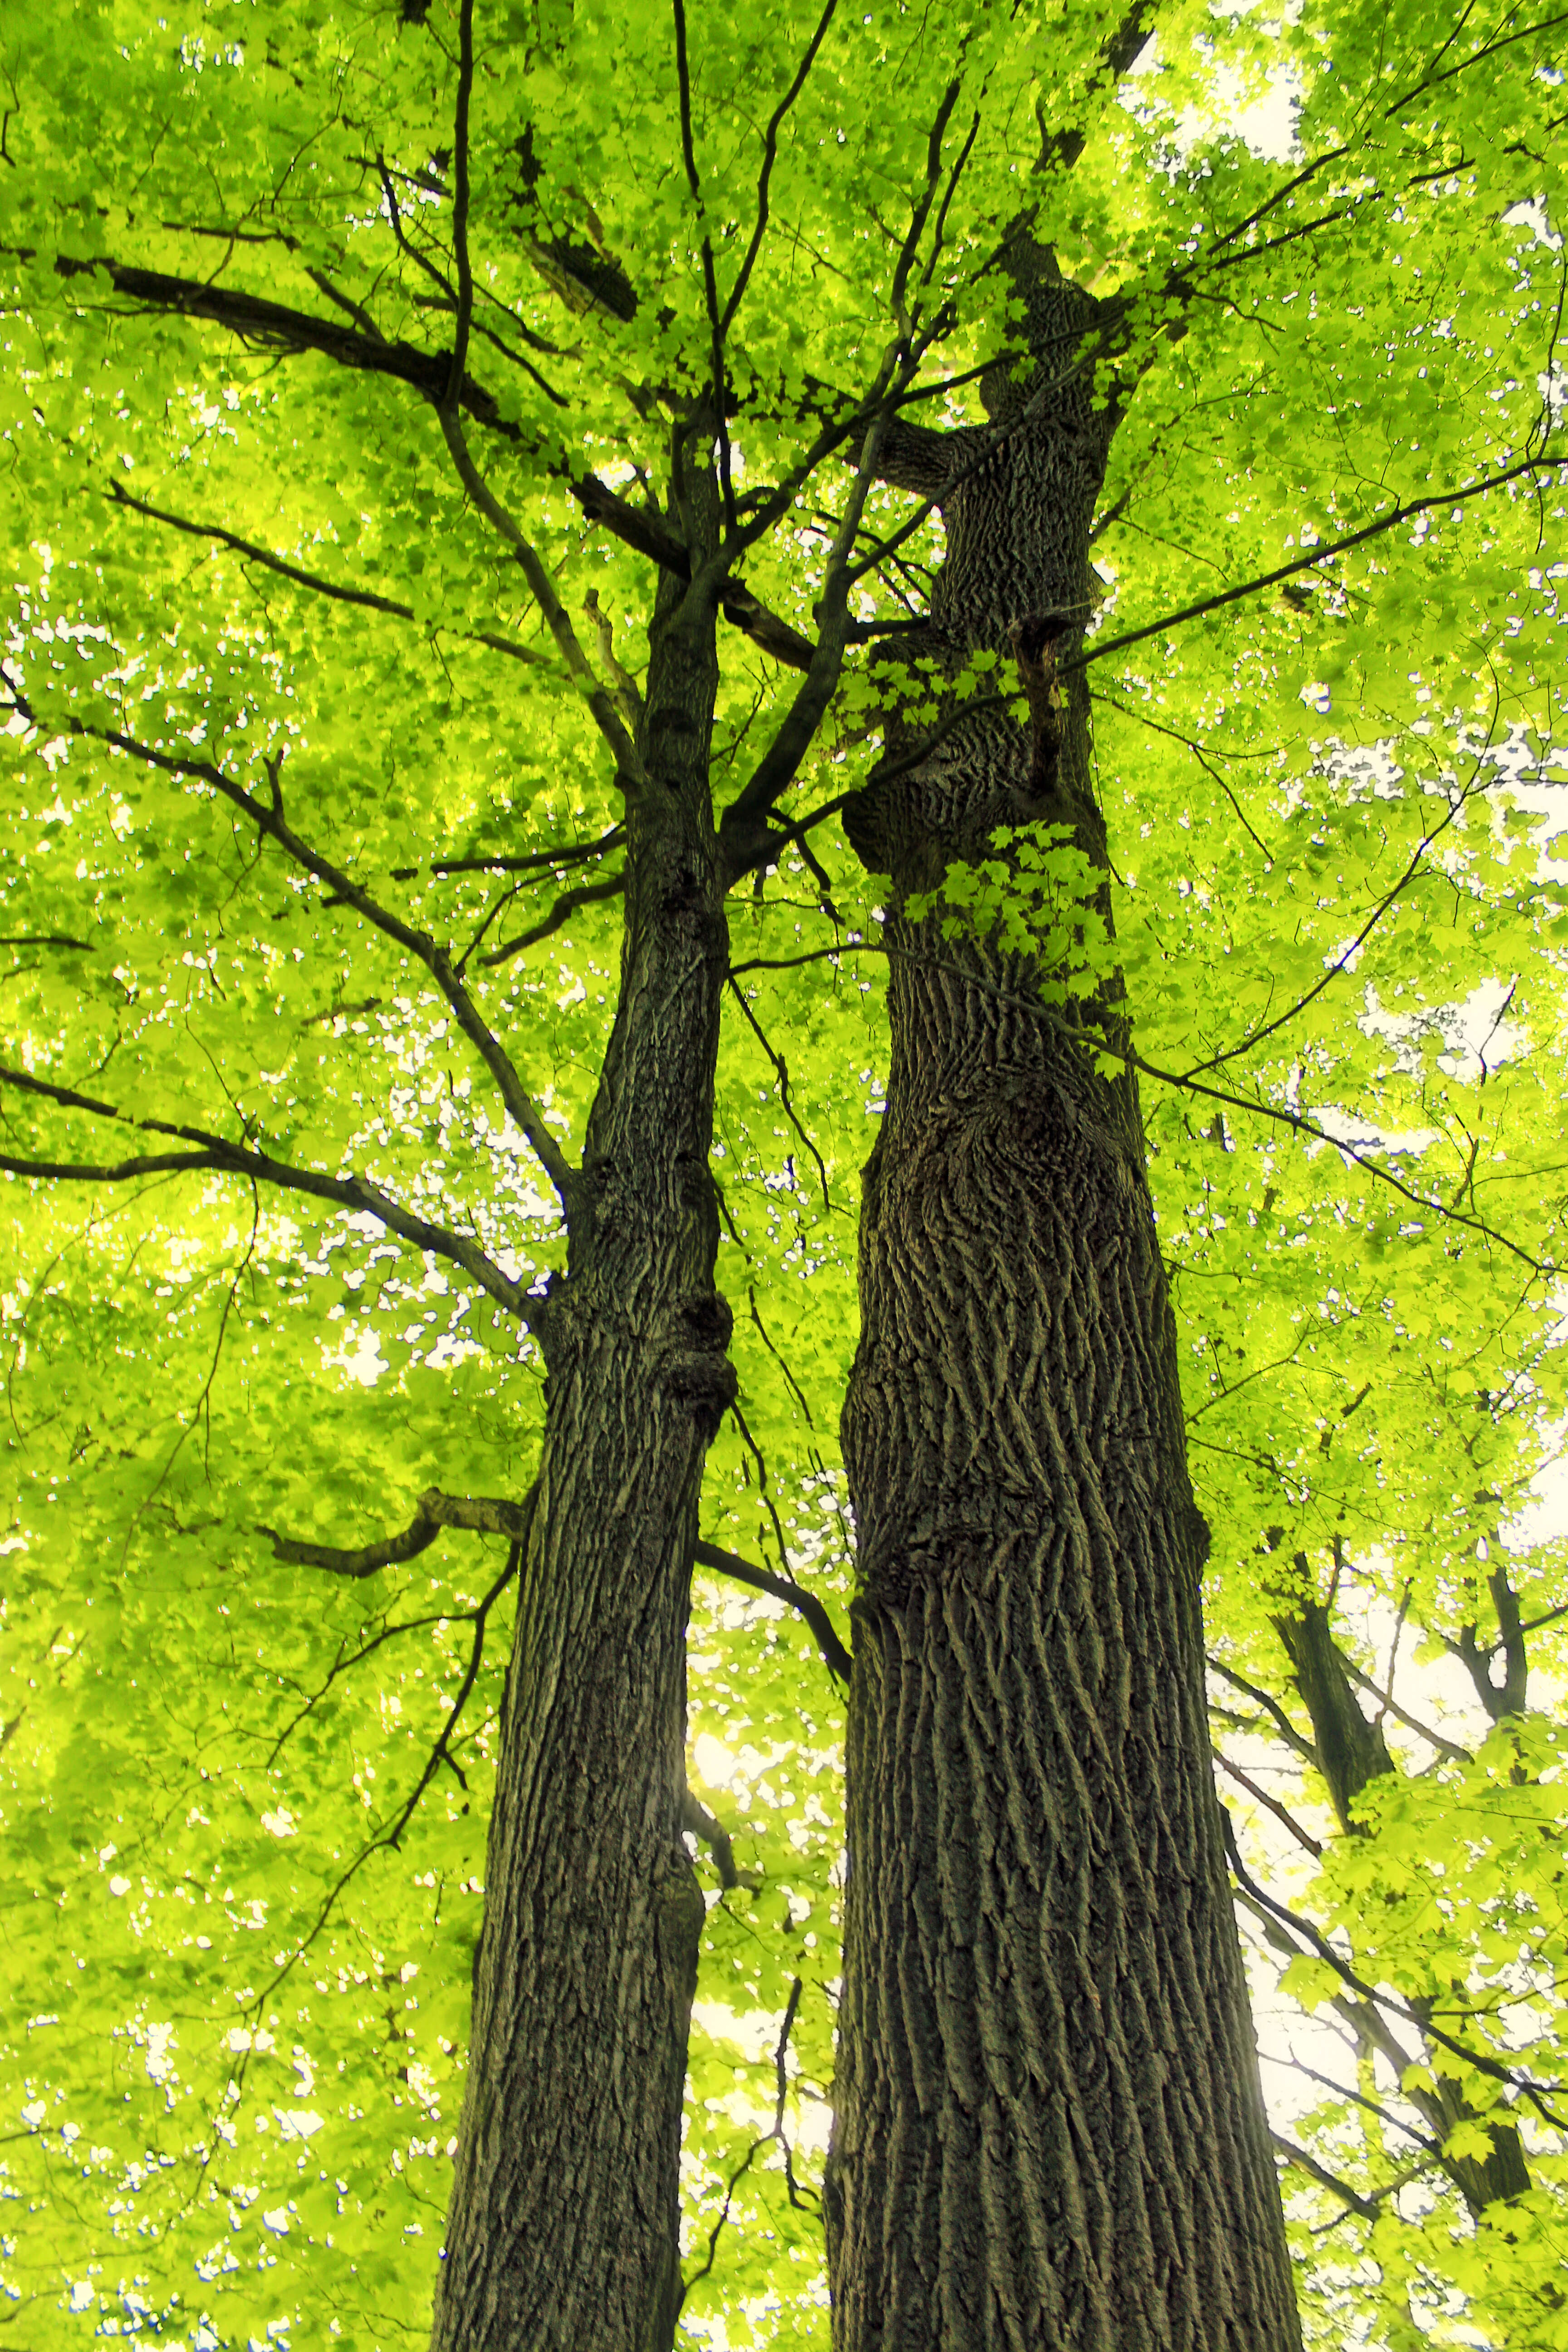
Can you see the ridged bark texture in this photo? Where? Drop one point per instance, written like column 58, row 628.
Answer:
column 1049, row 2133
column 563, row 2228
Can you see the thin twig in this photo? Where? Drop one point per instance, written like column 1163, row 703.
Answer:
column 781, row 1071
column 628, row 760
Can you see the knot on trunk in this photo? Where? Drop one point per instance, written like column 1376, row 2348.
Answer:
column 694, row 1366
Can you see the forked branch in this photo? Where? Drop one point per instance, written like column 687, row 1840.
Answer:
column 606, row 718
column 272, row 825
column 353, row 1193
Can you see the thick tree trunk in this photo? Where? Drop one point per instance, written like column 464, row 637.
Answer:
column 1049, row 2131
column 563, row 2228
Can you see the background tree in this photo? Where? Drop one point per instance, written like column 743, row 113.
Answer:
column 263, row 671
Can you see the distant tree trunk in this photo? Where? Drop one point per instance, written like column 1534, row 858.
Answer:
column 1049, row 2135
column 564, row 2229
column 1350, row 1752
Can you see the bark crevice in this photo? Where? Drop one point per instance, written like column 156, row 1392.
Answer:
column 1049, row 2129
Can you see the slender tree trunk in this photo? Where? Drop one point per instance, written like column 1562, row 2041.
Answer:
column 1351, row 1751
column 563, row 2228
column 1049, row 2133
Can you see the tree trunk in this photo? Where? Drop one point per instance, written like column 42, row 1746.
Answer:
column 1050, row 2130
column 564, row 2227
column 1350, row 1752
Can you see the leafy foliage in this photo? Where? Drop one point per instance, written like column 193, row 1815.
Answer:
column 244, row 1801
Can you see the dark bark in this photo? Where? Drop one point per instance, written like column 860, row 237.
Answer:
column 1050, row 2130
column 564, row 2227
column 1350, row 1750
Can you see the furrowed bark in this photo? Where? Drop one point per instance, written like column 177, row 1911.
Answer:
column 1049, row 2129
column 563, row 2226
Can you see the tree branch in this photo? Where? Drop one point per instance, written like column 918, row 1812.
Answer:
column 481, row 1514
column 576, row 853
column 582, row 894
column 777, row 769
column 1508, row 1698
column 440, row 1754
column 834, row 1656
column 1270, row 1804
column 365, row 597
column 1390, row 522
column 770, row 150
column 1293, row 1119
column 460, row 208
column 611, row 727
column 1422, row 1731
column 271, row 822
column 354, row 1193
column 781, row 1071
column 275, row 326
column 1061, row 148
column 1307, row 2163
column 1272, row 1706
column 1481, row 2059
column 777, row 2133
column 696, row 1818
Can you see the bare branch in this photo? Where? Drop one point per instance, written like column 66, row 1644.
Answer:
column 1308, row 2163
column 768, row 2138
column 1061, row 148
column 271, row 822
column 315, row 581
column 1412, row 1723
column 709, row 277
column 576, row 853
column 1364, row 1161
column 354, row 1193
column 696, row 1818
column 1389, row 522
column 1272, row 1706
column 483, row 1514
column 1295, row 1120
column 460, row 207
column 834, row 1656
column 582, row 894
column 275, row 326
column 770, row 150
column 1281, row 1813
column 1343, row 961
column 1481, row 2059
column 441, row 1753
column 781, row 1072
column 611, row 727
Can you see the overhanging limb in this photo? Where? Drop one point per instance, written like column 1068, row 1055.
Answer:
column 834, row 1656
column 480, row 1514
